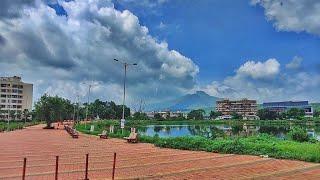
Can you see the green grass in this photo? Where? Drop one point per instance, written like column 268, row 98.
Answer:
column 14, row 125
column 255, row 145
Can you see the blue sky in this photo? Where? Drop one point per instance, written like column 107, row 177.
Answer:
column 222, row 35
column 258, row 49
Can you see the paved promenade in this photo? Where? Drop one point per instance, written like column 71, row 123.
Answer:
column 134, row 161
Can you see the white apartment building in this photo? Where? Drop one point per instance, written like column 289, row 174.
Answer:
column 15, row 97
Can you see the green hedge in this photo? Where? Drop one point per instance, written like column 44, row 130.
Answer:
column 14, row 125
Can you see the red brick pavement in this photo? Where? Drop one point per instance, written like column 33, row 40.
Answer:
column 134, row 161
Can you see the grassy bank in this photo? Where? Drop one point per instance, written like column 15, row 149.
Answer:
column 134, row 123
column 255, row 145
column 14, row 125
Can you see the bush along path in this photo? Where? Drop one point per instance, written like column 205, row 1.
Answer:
column 14, row 125
column 261, row 144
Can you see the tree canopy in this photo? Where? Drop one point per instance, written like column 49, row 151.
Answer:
column 196, row 114
column 214, row 114
column 266, row 114
column 53, row 108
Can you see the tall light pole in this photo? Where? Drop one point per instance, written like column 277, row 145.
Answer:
column 87, row 109
column 9, row 101
column 74, row 108
column 125, row 66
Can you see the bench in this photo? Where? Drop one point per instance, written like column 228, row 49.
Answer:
column 133, row 138
column 73, row 133
column 103, row 135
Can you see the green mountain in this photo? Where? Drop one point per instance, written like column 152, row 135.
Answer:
column 188, row 102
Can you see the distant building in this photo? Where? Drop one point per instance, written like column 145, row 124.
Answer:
column 286, row 105
column 224, row 117
column 165, row 114
column 247, row 108
column 15, row 96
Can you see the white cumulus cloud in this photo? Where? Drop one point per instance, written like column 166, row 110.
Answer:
column 292, row 15
column 260, row 70
column 64, row 51
column 253, row 80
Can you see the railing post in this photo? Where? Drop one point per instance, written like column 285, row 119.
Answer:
column 24, row 168
column 87, row 164
column 114, row 165
column 57, row 167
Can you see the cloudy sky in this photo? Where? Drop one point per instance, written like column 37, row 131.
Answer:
column 259, row 49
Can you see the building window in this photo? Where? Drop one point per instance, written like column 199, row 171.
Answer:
column 20, row 91
column 19, row 106
column 3, row 106
column 3, row 95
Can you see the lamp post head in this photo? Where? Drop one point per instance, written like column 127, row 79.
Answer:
column 135, row 64
column 116, row 59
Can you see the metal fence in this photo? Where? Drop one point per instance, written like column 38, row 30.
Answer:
column 65, row 167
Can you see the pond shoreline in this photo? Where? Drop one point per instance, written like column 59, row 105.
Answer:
column 261, row 144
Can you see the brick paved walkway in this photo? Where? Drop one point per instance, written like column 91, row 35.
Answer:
column 134, row 161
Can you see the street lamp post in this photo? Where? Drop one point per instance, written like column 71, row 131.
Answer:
column 9, row 108
column 87, row 109
column 125, row 66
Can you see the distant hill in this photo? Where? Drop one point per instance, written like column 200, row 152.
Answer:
column 188, row 102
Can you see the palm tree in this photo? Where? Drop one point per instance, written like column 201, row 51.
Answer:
column 1, row 113
column 25, row 114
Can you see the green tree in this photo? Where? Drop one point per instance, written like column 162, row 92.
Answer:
column 53, row 108
column 298, row 134
column 119, row 109
column 12, row 114
column 215, row 114
column 106, row 110
column 196, row 114
column 157, row 116
column 140, row 116
column 296, row 113
column 236, row 116
column 283, row 115
column 25, row 114
column 316, row 113
column 18, row 114
column 2, row 112
column 266, row 114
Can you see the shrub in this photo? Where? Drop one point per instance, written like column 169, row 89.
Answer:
column 298, row 134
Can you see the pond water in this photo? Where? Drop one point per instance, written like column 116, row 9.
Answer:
column 212, row 131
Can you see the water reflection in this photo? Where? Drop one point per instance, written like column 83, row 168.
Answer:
column 213, row 131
